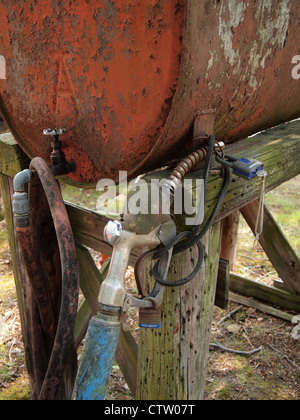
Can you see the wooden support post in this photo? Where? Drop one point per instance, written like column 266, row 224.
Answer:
column 276, row 246
column 222, row 291
column 230, row 232
column 172, row 360
column 37, row 344
column 1, row 207
column 26, row 303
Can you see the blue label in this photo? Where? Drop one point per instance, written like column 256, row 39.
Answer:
column 151, row 326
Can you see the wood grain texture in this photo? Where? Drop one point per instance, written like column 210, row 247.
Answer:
column 172, row 360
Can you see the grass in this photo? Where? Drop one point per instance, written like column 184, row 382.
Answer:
column 13, row 376
column 284, row 204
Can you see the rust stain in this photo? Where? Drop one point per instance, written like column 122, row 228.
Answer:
column 127, row 78
column 236, row 60
column 106, row 70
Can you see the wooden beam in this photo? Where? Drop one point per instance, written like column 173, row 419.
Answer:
column 90, row 281
column 12, row 158
column 88, row 228
column 278, row 148
column 264, row 293
column 250, row 303
column 276, row 246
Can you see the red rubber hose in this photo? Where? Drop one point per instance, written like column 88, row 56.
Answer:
column 63, row 338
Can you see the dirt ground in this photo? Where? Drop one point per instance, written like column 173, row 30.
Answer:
column 273, row 373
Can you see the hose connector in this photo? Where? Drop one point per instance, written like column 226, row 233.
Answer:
column 21, row 179
column 21, row 207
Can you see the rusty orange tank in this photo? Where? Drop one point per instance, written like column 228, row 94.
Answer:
column 126, row 78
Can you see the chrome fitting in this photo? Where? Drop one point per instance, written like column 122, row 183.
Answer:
column 113, row 232
column 112, row 292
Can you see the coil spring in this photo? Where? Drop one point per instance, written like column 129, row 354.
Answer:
column 184, row 168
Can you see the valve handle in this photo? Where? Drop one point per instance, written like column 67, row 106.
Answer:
column 54, row 132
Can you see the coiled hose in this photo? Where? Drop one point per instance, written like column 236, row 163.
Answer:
column 58, row 334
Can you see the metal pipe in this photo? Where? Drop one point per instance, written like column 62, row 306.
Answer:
column 21, row 179
column 21, row 208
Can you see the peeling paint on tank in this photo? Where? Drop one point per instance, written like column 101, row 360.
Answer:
column 105, row 69
column 272, row 21
column 127, row 78
column 227, row 23
column 272, row 35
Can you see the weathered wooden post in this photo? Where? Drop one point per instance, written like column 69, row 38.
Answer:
column 230, row 230
column 172, row 361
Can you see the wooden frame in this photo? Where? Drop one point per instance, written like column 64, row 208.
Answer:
column 279, row 150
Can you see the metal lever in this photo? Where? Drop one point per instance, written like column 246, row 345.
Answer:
column 166, row 233
column 112, row 295
column 112, row 292
column 54, row 132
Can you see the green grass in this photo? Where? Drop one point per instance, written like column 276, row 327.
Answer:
column 19, row 391
column 284, row 203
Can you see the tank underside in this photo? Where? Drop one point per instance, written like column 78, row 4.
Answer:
column 127, row 79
